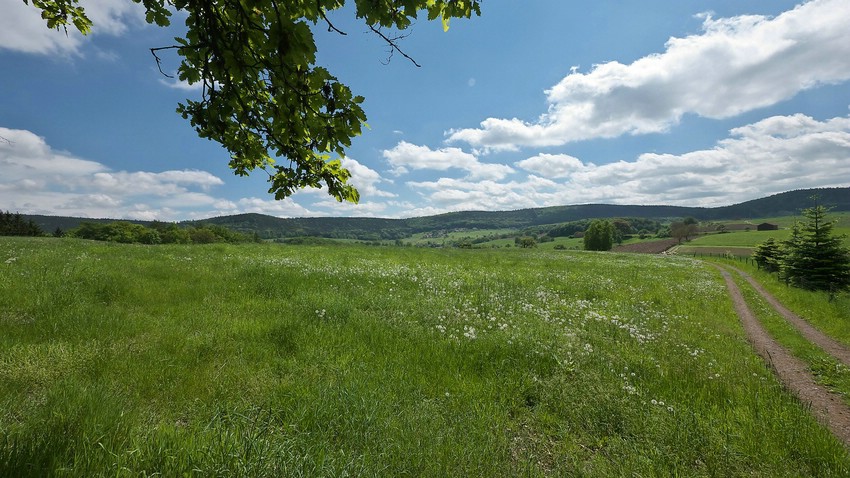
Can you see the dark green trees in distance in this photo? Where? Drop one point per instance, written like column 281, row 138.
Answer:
column 13, row 224
column 599, row 236
column 158, row 233
column 813, row 258
column 263, row 97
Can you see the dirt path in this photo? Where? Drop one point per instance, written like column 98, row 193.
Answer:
column 794, row 373
column 828, row 344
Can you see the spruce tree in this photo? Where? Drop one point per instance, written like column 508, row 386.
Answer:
column 816, row 259
column 768, row 255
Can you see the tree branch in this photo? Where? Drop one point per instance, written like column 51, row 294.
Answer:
column 331, row 27
column 393, row 46
column 159, row 60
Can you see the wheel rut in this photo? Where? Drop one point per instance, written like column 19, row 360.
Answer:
column 827, row 343
column 828, row 407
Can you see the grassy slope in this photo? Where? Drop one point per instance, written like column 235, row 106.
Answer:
column 742, row 242
column 323, row 361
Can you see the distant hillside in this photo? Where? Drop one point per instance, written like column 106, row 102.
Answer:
column 269, row 227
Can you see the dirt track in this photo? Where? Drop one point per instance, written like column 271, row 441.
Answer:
column 794, row 374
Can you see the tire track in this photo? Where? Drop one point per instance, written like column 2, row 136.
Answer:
column 793, row 372
column 831, row 346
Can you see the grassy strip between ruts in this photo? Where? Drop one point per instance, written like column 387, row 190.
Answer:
column 263, row 360
column 827, row 313
column 827, row 370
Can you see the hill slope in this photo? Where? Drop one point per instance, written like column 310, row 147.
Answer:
column 364, row 228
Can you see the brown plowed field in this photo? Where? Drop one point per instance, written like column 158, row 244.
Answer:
column 652, row 247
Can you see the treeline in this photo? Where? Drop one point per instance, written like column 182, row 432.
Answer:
column 624, row 228
column 14, row 224
column 159, row 233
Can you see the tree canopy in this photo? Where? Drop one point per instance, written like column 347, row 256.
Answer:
column 599, row 236
column 263, row 97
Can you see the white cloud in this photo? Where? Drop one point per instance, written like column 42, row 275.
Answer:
column 735, row 65
column 552, row 165
column 22, row 29
column 283, row 208
column 773, row 155
column 406, row 156
column 182, row 85
column 40, row 180
column 365, row 179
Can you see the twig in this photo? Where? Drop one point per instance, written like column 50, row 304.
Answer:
column 393, row 46
column 331, row 27
column 159, row 60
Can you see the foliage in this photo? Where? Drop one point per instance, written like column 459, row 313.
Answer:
column 815, row 258
column 622, row 230
column 159, row 233
column 768, row 255
column 599, row 236
column 15, row 225
column 683, row 230
column 526, row 242
column 263, row 97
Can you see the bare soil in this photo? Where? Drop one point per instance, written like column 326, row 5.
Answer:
column 794, row 373
column 649, row 247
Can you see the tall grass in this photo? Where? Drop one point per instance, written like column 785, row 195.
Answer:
column 262, row 360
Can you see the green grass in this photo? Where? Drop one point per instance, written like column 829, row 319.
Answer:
column 265, row 360
column 739, row 238
column 829, row 314
column 827, row 370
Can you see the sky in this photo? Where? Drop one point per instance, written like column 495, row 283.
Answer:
column 535, row 103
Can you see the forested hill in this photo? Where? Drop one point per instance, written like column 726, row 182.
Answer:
column 783, row 204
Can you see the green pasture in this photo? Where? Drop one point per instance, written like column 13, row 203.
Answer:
column 345, row 360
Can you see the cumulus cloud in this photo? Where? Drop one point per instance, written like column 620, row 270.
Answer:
column 406, row 156
column 553, row 165
column 38, row 179
column 734, row 65
column 365, row 179
column 283, row 208
column 23, row 30
column 767, row 157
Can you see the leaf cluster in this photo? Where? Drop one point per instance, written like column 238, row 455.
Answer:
column 599, row 236
column 263, row 97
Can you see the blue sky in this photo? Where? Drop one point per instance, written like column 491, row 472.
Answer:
column 534, row 103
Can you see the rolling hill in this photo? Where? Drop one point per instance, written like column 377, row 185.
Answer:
column 363, row 228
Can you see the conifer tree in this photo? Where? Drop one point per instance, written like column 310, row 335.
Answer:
column 768, row 255
column 816, row 259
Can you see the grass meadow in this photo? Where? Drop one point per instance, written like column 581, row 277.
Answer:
column 341, row 360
